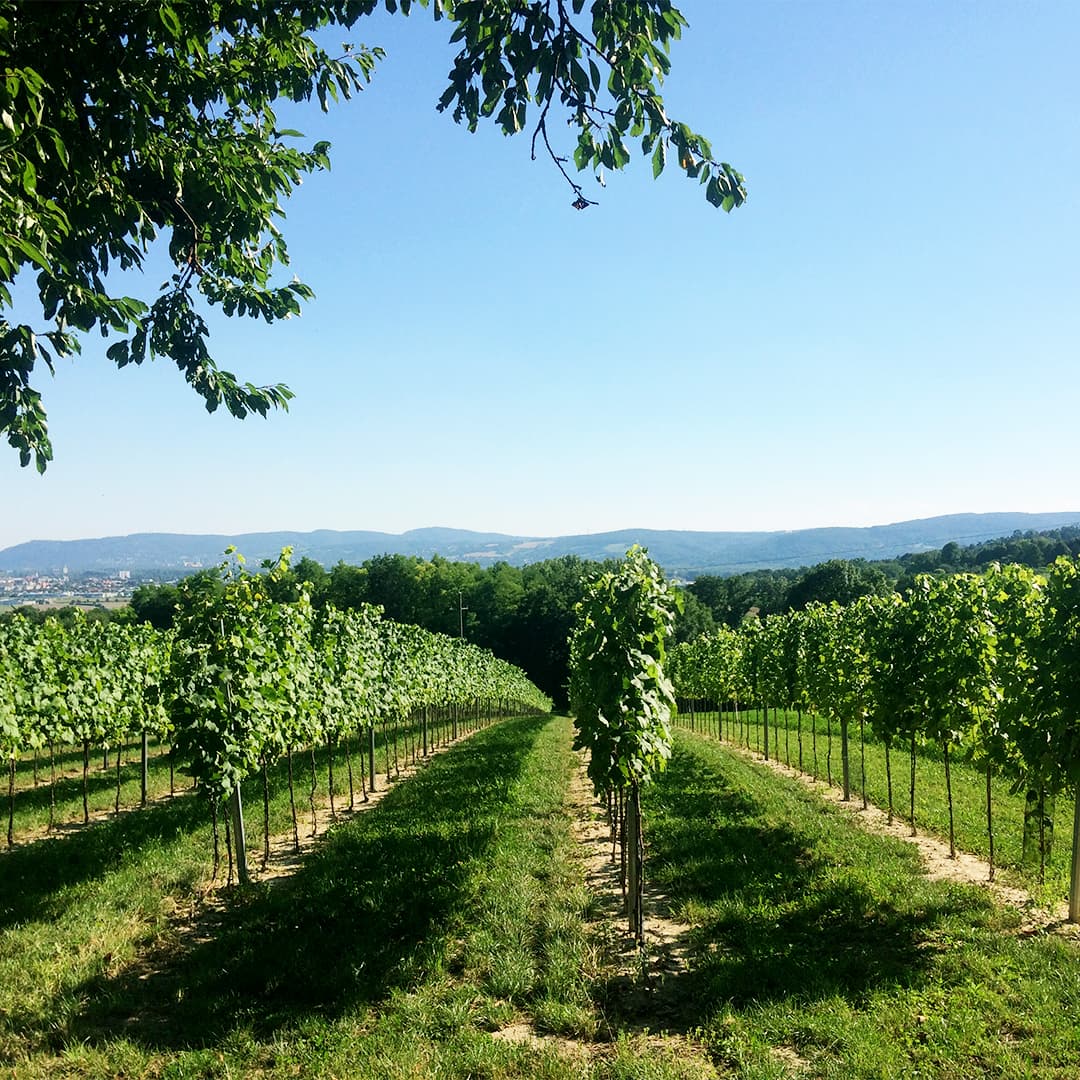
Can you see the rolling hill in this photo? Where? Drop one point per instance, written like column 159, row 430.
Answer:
column 680, row 552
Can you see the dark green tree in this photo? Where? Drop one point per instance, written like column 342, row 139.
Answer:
column 695, row 619
column 155, row 604
column 446, row 590
column 839, row 580
column 393, row 583
column 347, row 588
column 731, row 599
column 495, row 602
column 314, row 575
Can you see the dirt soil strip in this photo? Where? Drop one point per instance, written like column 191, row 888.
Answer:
column 647, row 994
column 646, row 1001
column 665, row 938
column 568, row 1049
column 966, row 868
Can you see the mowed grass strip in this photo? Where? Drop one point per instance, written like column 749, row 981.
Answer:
column 414, row 936
column 820, row 950
column 415, row 931
column 91, row 933
column 931, row 801
column 75, row 866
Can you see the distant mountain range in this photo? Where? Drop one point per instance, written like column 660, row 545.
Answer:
column 680, row 552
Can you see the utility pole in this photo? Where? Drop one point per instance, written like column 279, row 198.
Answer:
column 461, row 613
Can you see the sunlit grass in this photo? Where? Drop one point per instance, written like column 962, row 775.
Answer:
column 450, row 910
column 931, row 802
column 822, row 950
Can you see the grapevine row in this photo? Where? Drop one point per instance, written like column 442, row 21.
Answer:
column 622, row 701
column 240, row 683
column 980, row 665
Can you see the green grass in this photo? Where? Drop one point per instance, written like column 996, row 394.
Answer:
column 931, row 803
column 32, row 800
column 453, row 908
column 821, row 950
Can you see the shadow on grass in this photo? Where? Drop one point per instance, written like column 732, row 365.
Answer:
column 34, row 873
column 32, row 878
column 781, row 909
column 361, row 916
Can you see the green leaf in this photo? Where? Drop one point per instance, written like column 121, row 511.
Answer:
column 32, row 252
column 168, row 132
column 61, row 149
column 170, row 20
column 119, row 353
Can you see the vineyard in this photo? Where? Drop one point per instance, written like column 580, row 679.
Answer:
column 451, row 926
column 242, row 683
column 976, row 667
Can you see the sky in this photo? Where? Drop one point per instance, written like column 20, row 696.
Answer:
column 888, row 329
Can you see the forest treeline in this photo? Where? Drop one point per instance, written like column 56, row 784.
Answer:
column 525, row 614
column 774, row 592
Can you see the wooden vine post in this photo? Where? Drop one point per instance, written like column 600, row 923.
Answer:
column 621, row 698
column 236, row 807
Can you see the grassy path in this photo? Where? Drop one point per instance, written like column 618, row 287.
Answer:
column 442, row 933
column 931, row 805
column 110, row 963
column 819, row 950
column 448, row 932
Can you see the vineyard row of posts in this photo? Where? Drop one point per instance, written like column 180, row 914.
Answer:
column 987, row 666
column 239, row 683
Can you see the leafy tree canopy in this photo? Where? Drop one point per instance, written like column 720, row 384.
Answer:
column 842, row 580
column 695, row 619
column 122, row 124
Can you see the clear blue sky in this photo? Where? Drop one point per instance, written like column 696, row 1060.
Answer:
column 888, row 329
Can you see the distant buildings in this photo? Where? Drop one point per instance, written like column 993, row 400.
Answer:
column 60, row 589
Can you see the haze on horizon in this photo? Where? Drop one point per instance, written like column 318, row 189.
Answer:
column 1073, row 518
